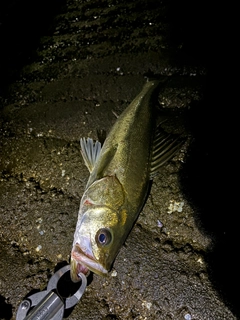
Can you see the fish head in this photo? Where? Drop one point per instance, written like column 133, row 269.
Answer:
column 98, row 237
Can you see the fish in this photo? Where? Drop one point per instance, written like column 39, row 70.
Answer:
column 120, row 173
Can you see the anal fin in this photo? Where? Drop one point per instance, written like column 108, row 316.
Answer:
column 90, row 151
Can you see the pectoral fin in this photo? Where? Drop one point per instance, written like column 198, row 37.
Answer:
column 90, row 151
column 164, row 147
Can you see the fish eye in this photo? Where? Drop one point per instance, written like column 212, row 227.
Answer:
column 103, row 237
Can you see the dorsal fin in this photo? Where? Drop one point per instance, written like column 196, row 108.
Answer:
column 90, row 151
column 165, row 145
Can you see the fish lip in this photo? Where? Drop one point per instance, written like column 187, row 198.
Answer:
column 83, row 262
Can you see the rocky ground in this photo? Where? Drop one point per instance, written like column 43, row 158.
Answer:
column 66, row 70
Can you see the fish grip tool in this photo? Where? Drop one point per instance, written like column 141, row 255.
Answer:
column 49, row 304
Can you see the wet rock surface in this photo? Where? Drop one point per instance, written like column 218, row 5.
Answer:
column 88, row 62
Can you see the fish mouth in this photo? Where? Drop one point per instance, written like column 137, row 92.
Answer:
column 82, row 262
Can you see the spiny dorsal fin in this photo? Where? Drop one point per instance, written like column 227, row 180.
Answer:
column 90, row 151
column 165, row 145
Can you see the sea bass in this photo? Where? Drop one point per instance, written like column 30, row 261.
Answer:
column 118, row 184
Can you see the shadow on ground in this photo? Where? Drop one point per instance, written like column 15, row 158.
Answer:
column 205, row 180
column 5, row 309
column 22, row 23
